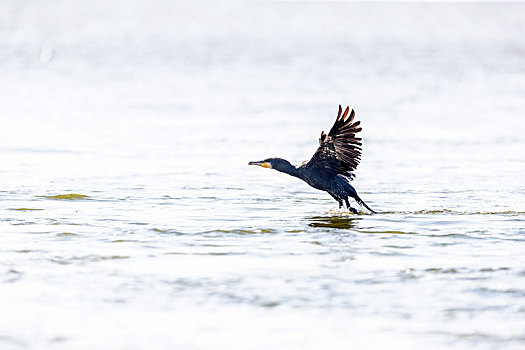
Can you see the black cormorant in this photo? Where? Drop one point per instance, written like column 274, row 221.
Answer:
column 331, row 167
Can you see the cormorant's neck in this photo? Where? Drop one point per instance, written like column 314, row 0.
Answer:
column 287, row 168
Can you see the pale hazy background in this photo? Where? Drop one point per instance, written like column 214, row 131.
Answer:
column 130, row 219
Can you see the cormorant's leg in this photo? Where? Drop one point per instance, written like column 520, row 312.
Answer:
column 353, row 210
column 339, row 200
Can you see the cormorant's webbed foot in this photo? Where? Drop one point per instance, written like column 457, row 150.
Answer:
column 353, row 210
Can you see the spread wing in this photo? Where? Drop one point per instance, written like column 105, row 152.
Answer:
column 339, row 152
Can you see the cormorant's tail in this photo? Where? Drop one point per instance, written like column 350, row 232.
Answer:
column 361, row 202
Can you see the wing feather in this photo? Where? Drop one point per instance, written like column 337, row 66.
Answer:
column 339, row 151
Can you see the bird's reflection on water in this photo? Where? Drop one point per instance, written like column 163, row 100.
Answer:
column 341, row 222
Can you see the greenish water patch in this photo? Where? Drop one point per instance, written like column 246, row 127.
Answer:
column 69, row 196
column 494, row 269
column 388, row 232
column 21, row 223
column 333, row 222
column 167, row 231
column 243, row 232
column 24, row 209
column 64, row 223
column 87, row 258
column 441, row 270
column 266, row 230
column 435, row 211
column 66, row 234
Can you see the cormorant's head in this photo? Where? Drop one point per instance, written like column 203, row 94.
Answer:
column 273, row 163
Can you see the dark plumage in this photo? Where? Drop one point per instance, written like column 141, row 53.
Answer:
column 331, row 167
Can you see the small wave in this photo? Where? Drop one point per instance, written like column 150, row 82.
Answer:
column 242, row 231
column 453, row 212
column 388, row 232
column 217, row 231
column 435, row 211
column 346, row 212
column 86, row 259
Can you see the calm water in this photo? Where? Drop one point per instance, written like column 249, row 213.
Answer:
column 129, row 218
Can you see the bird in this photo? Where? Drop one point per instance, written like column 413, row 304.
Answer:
column 332, row 166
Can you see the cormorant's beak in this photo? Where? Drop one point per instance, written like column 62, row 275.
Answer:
column 261, row 163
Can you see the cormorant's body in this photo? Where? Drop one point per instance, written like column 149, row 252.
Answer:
column 332, row 165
